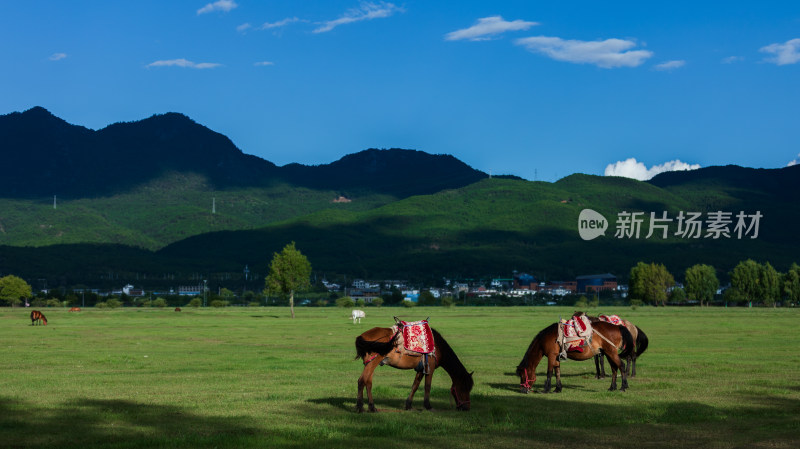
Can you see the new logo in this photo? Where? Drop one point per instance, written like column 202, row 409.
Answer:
column 591, row 224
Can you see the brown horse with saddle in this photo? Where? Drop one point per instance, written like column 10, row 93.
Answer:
column 603, row 338
column 385, row 346
column 640, row 343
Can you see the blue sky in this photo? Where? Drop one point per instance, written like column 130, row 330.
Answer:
column 535, row 89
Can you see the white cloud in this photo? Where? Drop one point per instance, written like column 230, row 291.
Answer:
column 631, row 168
column 367, row 11
column 607, row 54
column 786, row 53
column 219, row 5
column 794, row 162
column 57, row 56
column 280, row 23
column 486, row 27
column 183, row 63
column 263, row 63
column 732, row 59
column 670, row 65
column 244, row 27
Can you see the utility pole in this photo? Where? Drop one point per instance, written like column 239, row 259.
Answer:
column 205, row 290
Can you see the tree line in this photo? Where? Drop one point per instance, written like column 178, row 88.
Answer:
column 751, row 283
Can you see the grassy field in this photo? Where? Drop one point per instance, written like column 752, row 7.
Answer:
column 134, row 378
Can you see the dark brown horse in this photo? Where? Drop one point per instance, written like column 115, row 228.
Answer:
column 606, row 337
column 640, row 343
column 38, row 317
column 377, row 347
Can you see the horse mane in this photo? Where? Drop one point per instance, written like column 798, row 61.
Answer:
column 450, row 362
column 641, row 341
column 536, row 342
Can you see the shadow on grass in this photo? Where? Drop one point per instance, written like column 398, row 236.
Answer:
column 113, row 423
column 555, row 419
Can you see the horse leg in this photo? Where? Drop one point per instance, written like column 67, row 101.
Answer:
column 428, row 381
column 616, row 365
column 558, row 378
column 600, row 367
column 414, row 386
column 550, row 368
column 366, row 381
column 632, row 366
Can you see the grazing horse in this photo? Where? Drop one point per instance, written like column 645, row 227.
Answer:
column 378, row 346
column 357, row 315
column 75, row 309
column 640, row 343
column 177, row 309
column 38, row 317
column 606, row 337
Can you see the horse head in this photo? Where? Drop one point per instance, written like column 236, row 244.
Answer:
column 525, row 381
column 461, row 392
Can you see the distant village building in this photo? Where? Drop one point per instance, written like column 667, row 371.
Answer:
column 596, row 283
column 129, row 290
column 190, row 290
column 524, row 281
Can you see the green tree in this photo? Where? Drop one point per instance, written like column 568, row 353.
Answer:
column 701, row 283
column 650, row 282
column 289, row 272
column 377, row 302
column 426, row 298
column 744, row 278
column 677, row 296
column 13, row 289
column 196, row 302
column 159, row 302
column 791, row 284
column 769, row 284
column 345, row 301
column 227, row 295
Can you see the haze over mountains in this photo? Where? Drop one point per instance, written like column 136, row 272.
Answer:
column 168, row 198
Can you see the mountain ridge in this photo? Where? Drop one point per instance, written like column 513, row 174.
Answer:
column 52, row 156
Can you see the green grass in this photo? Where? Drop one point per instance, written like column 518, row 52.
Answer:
column 237, row 378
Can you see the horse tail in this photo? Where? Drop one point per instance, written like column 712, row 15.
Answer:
column 364, row 347
column 641, row 341
column 627, row 342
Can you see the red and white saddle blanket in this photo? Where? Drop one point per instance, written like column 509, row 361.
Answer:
column 613, row 319
column 415, row 336
column 574, row 333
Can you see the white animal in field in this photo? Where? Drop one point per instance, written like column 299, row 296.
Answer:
column 357, row 315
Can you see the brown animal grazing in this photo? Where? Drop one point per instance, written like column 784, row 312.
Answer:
column 640, row 342
column 38, row 317
column 177, row 309
column 75, row 309
column 606, row 337
column 374, row 347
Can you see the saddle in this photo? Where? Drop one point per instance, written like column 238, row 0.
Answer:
column 414, row 338
column 574, row 335
column 613, row 319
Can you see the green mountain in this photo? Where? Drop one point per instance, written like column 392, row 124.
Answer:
column 154, row 182
column 496, row 226
column 374, row 214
